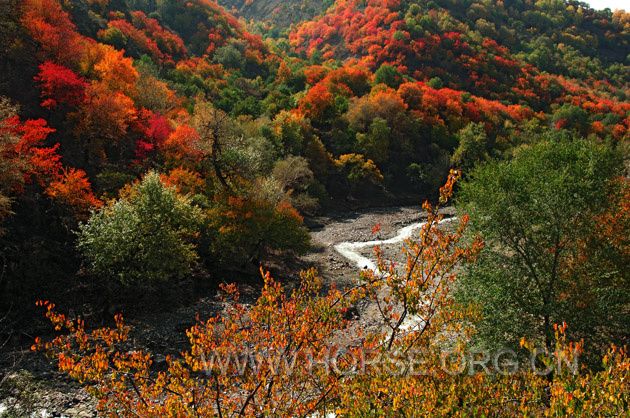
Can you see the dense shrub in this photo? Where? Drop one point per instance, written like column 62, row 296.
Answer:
column 144, row 237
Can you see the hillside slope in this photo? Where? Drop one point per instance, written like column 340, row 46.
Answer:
column 282, row 12
column 565, row 38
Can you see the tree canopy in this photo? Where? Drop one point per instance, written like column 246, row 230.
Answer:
column 539, row 214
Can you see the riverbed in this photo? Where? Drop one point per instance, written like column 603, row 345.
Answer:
column 343, row 245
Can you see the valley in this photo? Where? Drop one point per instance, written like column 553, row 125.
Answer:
column 180, row 183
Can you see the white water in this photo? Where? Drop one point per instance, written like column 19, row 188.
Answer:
column 350, row 250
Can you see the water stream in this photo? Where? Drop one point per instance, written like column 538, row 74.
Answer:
column 351, row 250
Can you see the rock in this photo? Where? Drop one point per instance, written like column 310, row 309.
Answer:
column 352, row 313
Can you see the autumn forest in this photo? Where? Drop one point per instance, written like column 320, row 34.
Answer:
column 300, row 208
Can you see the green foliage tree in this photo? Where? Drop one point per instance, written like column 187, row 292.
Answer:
column 113, row 36
column 359, row 175
column 293, row 173
column 243, row 230
column 388, row 75
column 295, row 178
column 472, row 147
column 221, row 144
column 571, row 117
column 230, row 56
column 10, row 168
column 436, row 83
column 145, row 237
column 375, row 143
column 537, row 213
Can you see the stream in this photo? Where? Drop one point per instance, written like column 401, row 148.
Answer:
column 351, row 250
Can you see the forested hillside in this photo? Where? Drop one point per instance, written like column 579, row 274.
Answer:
column 159, row 147
column 282, row 13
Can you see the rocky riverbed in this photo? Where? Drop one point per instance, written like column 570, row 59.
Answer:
column 354, row 227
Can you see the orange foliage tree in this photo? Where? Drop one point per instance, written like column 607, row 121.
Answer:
column 74, row 189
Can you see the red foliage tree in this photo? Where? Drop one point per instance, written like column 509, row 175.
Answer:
column 60, row 86
column 148, row 36
column 156, row 129
column 45, row 162
column 69, row 186
column 51, row 27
